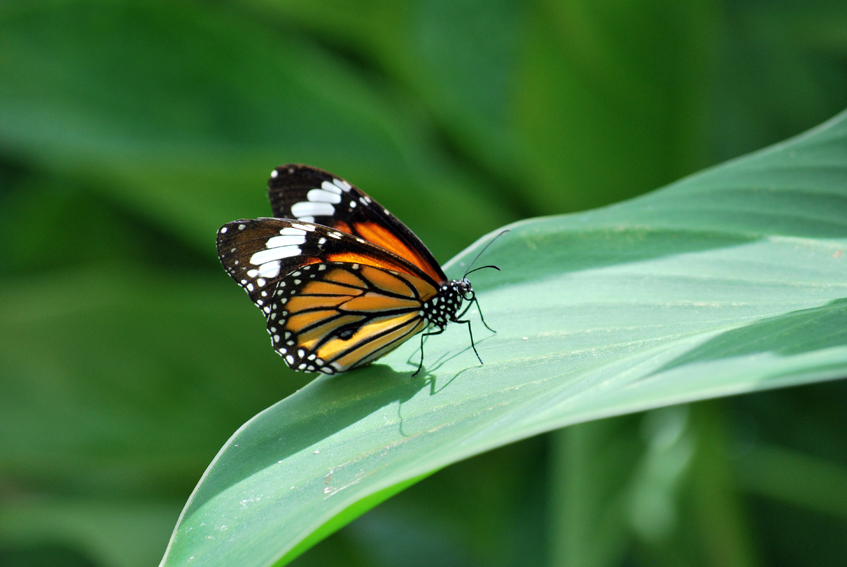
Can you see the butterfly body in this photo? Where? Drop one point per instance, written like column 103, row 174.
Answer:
column 339, row 279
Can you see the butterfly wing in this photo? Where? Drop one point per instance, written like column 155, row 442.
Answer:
column 332, row 317
column 313, row 195
column 333, row 301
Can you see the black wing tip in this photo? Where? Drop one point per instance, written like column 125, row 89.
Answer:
column 233, row 227
column 297, row 173
column 236, row 226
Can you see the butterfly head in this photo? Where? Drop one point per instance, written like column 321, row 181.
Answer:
column 464, row 289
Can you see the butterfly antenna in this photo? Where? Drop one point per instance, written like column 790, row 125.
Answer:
column 481, row 268
column 490, row 242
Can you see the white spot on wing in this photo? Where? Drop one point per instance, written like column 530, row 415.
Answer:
column 312, row 209
column 265, row 256
column 343, row 185
column 331, row 187
column 274, row 173
column 269, row 269
column 280, row 241
column 321, row 196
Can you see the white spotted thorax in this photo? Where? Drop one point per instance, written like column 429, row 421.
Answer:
column 442, row 309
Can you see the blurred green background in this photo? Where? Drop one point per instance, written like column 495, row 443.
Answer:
column 129, row 132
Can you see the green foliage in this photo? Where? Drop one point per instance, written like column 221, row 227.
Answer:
column 129, row 132
column 639, row 305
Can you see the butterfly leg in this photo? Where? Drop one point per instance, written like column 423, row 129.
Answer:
column 411, row 356
column 474, row 300
column 481, row 317
column 470, row 332
column 423, row 338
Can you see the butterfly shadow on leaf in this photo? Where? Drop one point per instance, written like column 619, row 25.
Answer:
column 434, row 389
column 428, row 371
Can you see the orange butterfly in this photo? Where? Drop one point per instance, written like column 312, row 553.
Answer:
column 340, row 280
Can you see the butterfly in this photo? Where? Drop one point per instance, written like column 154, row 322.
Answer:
column 340, row 280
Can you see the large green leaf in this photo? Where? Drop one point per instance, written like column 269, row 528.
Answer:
column 729, row 281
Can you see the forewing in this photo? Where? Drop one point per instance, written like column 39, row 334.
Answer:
column 259, row 253
column 310, row 194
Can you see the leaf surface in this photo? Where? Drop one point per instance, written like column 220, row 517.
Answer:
column 729, row 281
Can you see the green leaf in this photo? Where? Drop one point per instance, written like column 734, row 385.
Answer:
column 109, row 357
column 729, row 281
column 185, row 113
column 613, row 98
column 114, row 532
column 458, row 58
column 543, row 96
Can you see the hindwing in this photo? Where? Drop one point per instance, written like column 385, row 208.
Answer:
column 332, row 317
